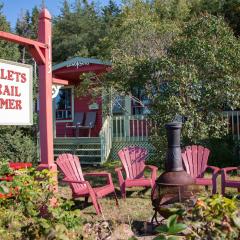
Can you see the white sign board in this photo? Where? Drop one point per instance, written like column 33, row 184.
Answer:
column 16, row 103
column 93, row 106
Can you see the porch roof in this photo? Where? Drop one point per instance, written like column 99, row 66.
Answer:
column 73, row 68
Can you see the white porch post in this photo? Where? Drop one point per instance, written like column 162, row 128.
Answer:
column 54, row 117
column 127, row 115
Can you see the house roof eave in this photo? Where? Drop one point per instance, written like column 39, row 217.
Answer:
column 79, row 61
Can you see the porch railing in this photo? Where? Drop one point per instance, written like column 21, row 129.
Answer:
column 106, row 139
column 129, row 127
column 233, row 123
column 138, row 127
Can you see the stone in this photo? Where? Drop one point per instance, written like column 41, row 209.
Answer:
column 122, row 232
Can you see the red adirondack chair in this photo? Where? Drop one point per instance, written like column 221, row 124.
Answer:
column 195, row 160
column 133, row 163
column 226, row 182
column 70, row 166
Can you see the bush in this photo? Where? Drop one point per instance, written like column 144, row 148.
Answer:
column 214, row 217
column 35, row 212
column 224, row 151
column 18, row 144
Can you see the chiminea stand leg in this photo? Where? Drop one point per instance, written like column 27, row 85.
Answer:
column 155, row 217
column 179, row 194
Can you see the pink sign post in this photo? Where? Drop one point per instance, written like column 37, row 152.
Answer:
column 45, row 92
column 41, row 51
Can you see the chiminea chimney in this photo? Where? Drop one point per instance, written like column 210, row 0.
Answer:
column 174, row 174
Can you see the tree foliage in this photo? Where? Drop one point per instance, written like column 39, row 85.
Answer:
column 76, row 31
column 198, row 78
column 8, row 51
column 193, row 73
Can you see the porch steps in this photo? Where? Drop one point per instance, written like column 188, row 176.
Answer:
column 87, row 149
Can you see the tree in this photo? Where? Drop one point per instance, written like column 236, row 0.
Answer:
column 192, row 71
column 34, row 23
column 199, row 78
column 27, row 26
column 229, row 9
column 110, row 18
column 8, row 50
column 76, row 32
column 140, row 35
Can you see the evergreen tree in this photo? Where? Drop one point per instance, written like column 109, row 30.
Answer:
column 110, row 19
column 27, row 26
column 34, row 22
column 77, row 31
column 110, row 14
column 8, row 50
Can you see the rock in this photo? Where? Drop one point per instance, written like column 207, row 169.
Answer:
column 99, row 230
column 122, row 232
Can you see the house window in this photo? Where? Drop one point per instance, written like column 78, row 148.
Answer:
column 141, row 103
column 64, row 104
column 118, row 105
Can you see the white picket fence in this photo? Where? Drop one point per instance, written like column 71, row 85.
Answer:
column 131, row 127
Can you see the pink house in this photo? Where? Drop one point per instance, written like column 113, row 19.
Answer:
column 126, row 125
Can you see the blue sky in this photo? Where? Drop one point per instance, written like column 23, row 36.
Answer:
column 12, row 8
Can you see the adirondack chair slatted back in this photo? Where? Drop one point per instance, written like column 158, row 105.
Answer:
column 78, row 118
column 70, row 166
column 133, row 161
column 90, row 119
column 195, row 159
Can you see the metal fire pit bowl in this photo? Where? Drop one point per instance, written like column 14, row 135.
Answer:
column 164, row 195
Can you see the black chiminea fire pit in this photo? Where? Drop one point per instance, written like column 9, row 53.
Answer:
column 174, row 184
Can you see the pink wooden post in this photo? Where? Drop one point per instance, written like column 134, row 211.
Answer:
column 45, row 93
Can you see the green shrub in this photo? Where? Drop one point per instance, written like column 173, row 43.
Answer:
column 35, row 211
column 224, row 151
column 18, row 144
column 210, row 218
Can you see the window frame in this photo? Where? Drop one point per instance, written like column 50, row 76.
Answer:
column 72, row 105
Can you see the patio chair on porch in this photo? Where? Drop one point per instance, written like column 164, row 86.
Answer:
column 133, row 163
column 195, row 160
column 89, row 122
column 70, row 166
column 78, row 121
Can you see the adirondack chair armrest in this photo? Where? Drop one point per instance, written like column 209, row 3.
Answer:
column 81, row 182
column 214, row 169
column 120, row 175
column 101, row 174
column 154, row 171
column 74, row 181
column 68, row 124
column 227, row 169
